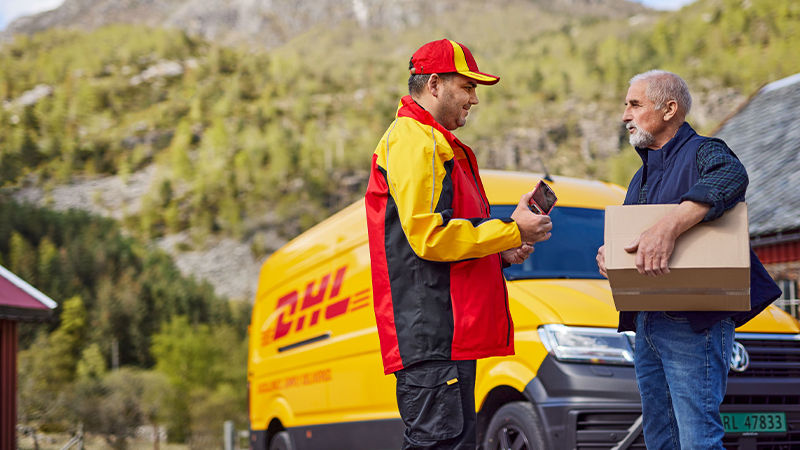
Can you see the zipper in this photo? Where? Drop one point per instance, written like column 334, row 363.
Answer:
column 508, row 313
column 484, row 201
column 485, row 206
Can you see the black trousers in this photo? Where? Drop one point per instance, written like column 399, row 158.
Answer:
column 436, row 400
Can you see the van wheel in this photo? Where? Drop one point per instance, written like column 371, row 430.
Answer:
column 281, row 441
column 514, row 426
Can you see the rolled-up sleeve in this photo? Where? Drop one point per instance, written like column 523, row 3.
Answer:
column 723, row 179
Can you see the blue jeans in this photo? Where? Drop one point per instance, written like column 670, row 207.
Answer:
column 682, row 378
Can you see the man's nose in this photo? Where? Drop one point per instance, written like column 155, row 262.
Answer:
column 473, row 99
column 626, row 116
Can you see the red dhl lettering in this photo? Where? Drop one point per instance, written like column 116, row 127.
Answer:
column 316, row 302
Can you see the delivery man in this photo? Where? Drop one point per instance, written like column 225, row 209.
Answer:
column 437, row 256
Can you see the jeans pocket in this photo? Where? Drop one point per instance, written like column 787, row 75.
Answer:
column 675, row 317
column 429, row 400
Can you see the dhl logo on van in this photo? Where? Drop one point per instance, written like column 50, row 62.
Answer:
column 318, row 301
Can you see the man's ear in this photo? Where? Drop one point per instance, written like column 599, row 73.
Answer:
column 434, row 84
column 670, row 110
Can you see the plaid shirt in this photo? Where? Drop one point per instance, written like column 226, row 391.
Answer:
column 723, row 180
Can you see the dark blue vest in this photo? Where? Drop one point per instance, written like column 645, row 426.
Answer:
column 668, row 174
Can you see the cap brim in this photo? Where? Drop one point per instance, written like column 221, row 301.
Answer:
column 480, row 77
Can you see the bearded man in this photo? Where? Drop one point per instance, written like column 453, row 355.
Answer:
column 681, row 358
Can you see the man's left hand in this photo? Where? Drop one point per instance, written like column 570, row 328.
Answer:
column 517, row 255
column 653, row 248
column 655, row 245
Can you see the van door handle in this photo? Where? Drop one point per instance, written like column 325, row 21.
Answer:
column 311, row 340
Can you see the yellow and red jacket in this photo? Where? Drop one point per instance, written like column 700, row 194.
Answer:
column 438, row 286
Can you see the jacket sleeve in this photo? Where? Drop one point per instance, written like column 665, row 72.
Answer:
column 418, row 165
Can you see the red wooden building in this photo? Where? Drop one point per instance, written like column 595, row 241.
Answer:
column 19, row 301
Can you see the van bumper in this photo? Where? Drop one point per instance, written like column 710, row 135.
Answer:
column 258, row 439
column 585, row 404
column 594, row 406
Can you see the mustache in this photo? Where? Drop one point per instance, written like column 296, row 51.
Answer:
column 630, row 125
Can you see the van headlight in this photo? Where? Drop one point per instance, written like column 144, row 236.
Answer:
column 588, row 345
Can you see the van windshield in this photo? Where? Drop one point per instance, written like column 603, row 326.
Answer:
column 571, row 250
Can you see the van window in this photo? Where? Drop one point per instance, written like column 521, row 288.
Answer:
column 571, row 250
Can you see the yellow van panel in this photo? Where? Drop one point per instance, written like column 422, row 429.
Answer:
column 771, row 320
column 514, row 371
column 313, row 337
column 570, row 302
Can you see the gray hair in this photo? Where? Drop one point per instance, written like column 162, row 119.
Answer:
column 664, row 86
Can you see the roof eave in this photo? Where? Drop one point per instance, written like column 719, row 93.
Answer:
column 26, row 314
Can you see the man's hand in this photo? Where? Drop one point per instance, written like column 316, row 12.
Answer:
column 532, row 227
column 517, row 255
column 601, row 260
column 653, row 248
column 655, row 245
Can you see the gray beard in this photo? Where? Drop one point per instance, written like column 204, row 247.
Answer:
column 641, row 138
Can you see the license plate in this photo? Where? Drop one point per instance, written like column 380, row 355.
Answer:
column 773, row 422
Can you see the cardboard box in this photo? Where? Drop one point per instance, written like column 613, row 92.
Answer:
column 709, row 268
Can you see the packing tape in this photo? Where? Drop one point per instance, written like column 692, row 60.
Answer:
column 682, row 291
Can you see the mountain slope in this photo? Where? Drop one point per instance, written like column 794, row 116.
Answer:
column 253, row 146
column 272, row 22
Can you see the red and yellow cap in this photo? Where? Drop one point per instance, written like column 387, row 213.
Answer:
column 445, row 56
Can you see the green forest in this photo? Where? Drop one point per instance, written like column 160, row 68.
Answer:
column 243, row 138
column 136, row 342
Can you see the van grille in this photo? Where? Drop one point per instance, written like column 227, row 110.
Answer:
column 761, row 400
column 770, row 355
column 789, row 442
column 603, row 430
column 599, row 430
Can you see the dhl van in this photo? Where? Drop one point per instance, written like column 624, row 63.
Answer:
column 316, row 381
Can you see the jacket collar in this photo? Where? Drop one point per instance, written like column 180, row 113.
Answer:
column 410, row 108
column 685, row 132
